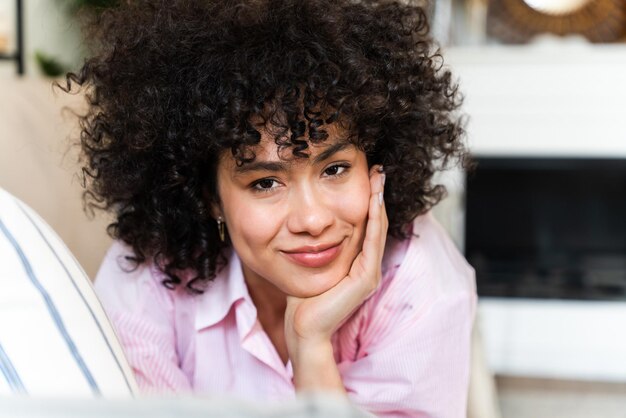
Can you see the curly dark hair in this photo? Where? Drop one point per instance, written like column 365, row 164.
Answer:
column 173, row 84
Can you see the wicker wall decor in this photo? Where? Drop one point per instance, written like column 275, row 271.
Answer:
column 514, row 21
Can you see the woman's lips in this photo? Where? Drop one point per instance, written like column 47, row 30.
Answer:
column 310, row 257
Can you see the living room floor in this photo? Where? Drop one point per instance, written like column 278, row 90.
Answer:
column 545, row 398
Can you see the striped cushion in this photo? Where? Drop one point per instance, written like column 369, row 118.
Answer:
column 55, row 339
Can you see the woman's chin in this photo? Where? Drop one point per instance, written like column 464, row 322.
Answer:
column 317, row 284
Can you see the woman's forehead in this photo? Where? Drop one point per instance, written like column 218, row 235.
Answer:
column 269, row 149
column 275, row 145
column 268, row 153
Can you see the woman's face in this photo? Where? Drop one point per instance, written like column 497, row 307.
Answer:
column 296, row 223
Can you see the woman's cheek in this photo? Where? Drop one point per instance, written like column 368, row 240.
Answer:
column 255, row 224
column 355, row 202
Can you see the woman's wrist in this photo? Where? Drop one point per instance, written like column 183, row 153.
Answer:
column 314, row 367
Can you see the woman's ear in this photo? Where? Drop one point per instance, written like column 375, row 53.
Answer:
column 213, row 203
column 216, row 210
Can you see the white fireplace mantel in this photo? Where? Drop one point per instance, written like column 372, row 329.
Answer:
column 557, row 99
column 552, row 99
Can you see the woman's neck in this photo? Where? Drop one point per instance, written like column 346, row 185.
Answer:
column 270, row 305
column 270, row 302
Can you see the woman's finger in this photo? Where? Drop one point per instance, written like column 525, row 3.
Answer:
column 375, row 232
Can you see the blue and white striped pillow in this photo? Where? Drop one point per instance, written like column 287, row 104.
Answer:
column 55, row 339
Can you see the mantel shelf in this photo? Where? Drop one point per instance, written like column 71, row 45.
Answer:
column 543, row 100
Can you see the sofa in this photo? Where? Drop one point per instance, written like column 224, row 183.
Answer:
column 38, row 163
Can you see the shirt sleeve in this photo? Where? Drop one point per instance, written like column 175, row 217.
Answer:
column 419, row 370
column 141, row 310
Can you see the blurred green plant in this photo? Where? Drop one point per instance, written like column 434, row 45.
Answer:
column 74, row 6
column 50, row 66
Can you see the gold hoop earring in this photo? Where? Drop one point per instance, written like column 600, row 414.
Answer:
column 221, row 228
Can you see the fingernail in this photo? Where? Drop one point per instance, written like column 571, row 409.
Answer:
column 381, row 169
column 380, row 198
column 382, row 179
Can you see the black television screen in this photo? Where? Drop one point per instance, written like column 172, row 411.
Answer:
column 547, row 227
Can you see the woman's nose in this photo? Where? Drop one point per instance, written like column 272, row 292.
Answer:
column 310, row 211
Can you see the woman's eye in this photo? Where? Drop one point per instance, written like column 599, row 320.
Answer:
column 265, row 185
column 336, row 170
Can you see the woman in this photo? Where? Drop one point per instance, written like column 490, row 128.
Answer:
column 269, row 164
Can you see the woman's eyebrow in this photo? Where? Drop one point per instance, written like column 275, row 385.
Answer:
column 330, row 151
column 274, row 166
column 277, row 166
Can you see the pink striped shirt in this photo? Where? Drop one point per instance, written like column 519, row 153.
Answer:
column 404, row 352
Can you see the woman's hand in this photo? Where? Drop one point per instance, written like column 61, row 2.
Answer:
column 310, row 322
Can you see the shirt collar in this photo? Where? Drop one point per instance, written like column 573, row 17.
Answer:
column 227, row 288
